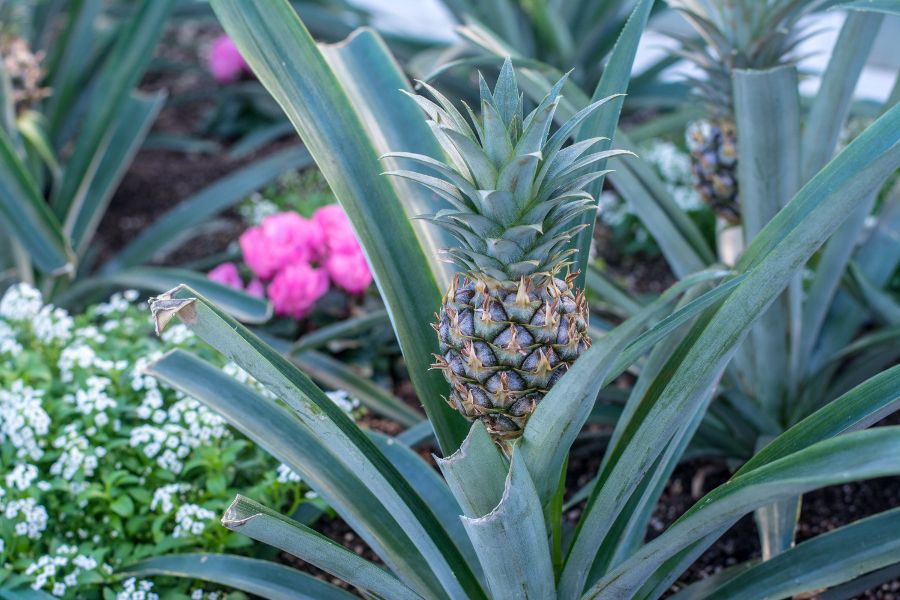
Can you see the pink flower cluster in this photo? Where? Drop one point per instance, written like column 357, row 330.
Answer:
column 296, row 260
column 225, row 61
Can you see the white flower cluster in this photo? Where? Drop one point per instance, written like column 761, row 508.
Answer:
column 675, row 168
column 140, row 380
column 77, row 454
column 163, row 497
column 200, row 594
column 343, row 400
column 31, row 517
column 186, row 425
column 137, row 590
column 52, row 325
column 257, row 208
column 287, row 474
column 90, row 332
column 23, row 303
column 21, row 476
column 23, row 420
column 93, row 400
column 59, row 571
column 9, row 343
column 190, row 520
column 176, row 333
column 117, row 303
column 80, row 355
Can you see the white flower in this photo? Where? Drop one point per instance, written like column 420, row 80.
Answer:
column 287, row 475
column 611, row 208
column 191, row 520
column 85, row 562
column 162, row 497
column 344, row 401
column 257, row 208
column 59, row 589
column 116, row 304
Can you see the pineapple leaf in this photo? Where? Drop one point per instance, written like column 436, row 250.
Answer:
column 516, row 522
column 854, row 456
column 496, row 141
column 265, row 525
column 262, row 578
column 506, row 93
column 314, row 411
column 479, row 164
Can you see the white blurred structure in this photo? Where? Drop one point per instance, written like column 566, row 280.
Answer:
column 429, row 18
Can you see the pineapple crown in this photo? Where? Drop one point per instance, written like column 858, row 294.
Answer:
column 513, row 189
column 739, row 34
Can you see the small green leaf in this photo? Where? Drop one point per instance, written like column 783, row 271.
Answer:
column 123, row 505
column 216, row 484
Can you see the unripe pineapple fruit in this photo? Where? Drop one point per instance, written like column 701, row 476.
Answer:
column 732, row 34
column 713, row 148
column 511, row 324
column 25, row 72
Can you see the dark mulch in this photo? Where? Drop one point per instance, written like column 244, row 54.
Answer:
column 639, row 273
column 159, row 179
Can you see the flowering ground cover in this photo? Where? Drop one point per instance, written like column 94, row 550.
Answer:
column 106, row 464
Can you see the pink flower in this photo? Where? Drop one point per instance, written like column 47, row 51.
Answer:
column 256, row 288
column 339, row 234
column 304, row 236
column 280, row 240
column 349, row 271
column 225, row 61
column 227, row 274
column 296, row 288
column 258, row 253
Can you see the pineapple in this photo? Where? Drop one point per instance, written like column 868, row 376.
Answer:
column 736, row 34
column 713, row 150
column 511, row 323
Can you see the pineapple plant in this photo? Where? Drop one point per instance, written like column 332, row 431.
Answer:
column 491, row 525
column 734, row 34
column 511, row 323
